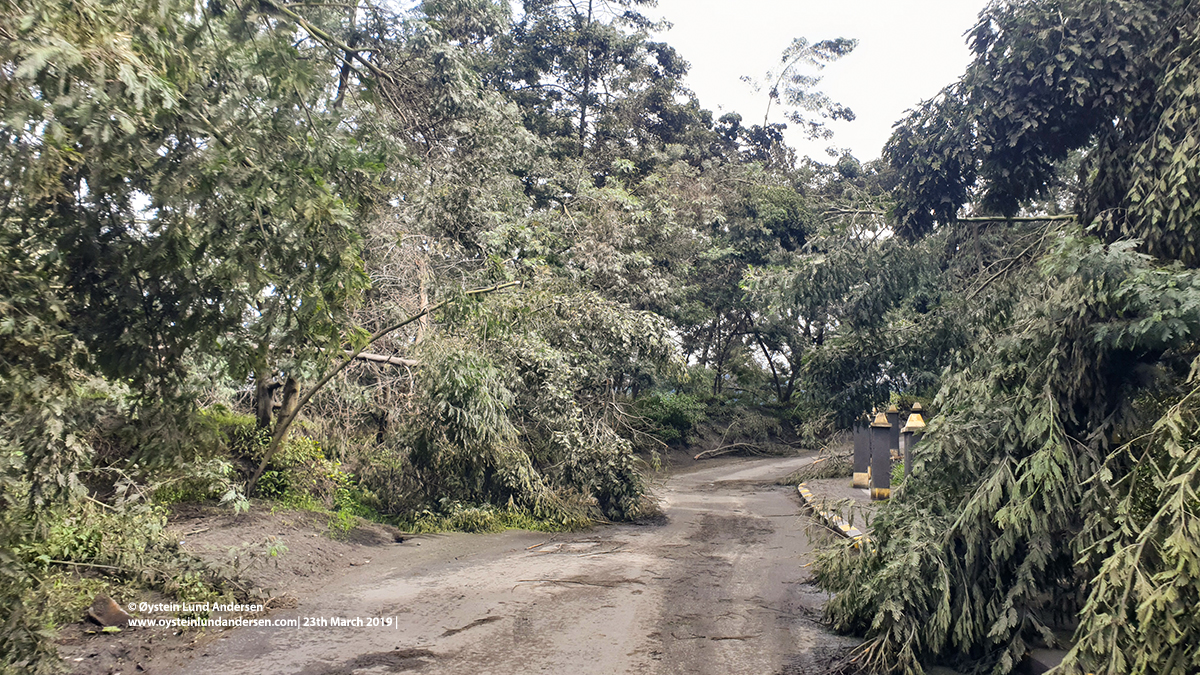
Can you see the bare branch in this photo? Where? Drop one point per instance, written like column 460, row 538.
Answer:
column 383, row 358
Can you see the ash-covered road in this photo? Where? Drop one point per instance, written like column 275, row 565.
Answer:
column 719, row 587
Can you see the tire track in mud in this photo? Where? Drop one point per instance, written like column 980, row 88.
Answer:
column 739, row 600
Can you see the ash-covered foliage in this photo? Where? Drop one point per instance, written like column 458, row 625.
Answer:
column 991, row 548
column 464, row 266
column 512, row 408
column 1053, row 500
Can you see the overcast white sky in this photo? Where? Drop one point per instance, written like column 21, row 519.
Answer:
column 908, row 50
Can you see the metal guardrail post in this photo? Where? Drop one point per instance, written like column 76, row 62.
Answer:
column 911, row 434
column 881, row 458
column 862, row 451
column 893, row 418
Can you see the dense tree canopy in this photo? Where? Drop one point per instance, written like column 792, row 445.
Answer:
column 492, row 259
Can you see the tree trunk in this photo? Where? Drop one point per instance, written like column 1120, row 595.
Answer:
column 722, row 356
column 287, row 409
column 422, row 296
column 795, row 363
column 264, row 398
column 587, row 81
column 344, row 75
column 978, row 248
column 771, row 363
column 708, row 342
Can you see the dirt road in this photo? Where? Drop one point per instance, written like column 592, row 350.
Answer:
column 718, row 588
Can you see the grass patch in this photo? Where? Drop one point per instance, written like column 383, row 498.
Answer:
column 341, row 524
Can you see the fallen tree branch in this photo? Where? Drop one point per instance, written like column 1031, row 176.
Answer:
column 328, row 40
column 96, row 566
column 828, row 465
column 726, row 449
column 602, row 584
column 1011, row 263
column 285, row 422
column 1016, row 219
column 383, row 358
column 853, row 212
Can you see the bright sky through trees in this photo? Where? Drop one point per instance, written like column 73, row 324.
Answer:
column 908, row 50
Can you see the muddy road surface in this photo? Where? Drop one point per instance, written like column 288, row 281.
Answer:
column 718, row 587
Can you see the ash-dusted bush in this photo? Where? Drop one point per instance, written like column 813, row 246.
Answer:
column 1055, row 491
column 671, row 415
column 515, row 409
column 54, row 564
column 466, row 447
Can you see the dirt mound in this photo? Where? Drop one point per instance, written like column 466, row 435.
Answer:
column 277, row 555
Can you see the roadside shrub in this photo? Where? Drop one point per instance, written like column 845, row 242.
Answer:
column 238, row 434
column 63, row 596
column 672, row 416
column 300, row 475
column 82, row 548
column 386, row 478
column 814, row 424
column 215, row 478
column 752, row 426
